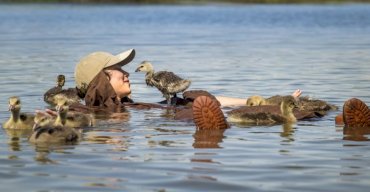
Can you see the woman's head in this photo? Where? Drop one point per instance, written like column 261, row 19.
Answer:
column 101, row 81
column 90, row 66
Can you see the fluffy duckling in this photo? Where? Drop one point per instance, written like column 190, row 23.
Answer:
column 305, row 103
column 256, row 100
column 70, row 94
column 43, row 120
column 70, row 119
column 267, row 114
column 46, row 132
column 17, row 119
column 166, row 82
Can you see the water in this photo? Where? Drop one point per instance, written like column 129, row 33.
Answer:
column 229, row 50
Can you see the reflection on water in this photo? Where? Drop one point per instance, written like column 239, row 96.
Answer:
column 356, row 133
column 288, row 132
column 227, row 50
column 16, row 137
column 208, row 138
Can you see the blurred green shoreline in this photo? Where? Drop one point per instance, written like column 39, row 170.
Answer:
column 189, row 1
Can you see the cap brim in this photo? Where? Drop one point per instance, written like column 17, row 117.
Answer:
column 122, row 58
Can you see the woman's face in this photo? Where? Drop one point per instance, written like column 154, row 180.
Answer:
column 118, row 78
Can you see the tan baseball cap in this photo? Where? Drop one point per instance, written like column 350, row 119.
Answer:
column 92, row 64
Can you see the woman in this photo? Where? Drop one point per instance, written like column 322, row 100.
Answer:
column 102, row 83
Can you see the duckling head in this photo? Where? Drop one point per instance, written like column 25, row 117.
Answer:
column 61, row 79
column 256, row 100
column 42, row 120
column 145, row 66
column 62, row 105
column 14, row 104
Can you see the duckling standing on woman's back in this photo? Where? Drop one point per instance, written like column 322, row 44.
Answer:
column 70, row 94
column 17, row 119
column 266, row 114
column 166, row 82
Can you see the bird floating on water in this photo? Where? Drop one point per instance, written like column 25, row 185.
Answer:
column 17, row 119
column 166, row 82
column 266, row 114
column 45, row 132
column 70, row 93
column 73, row 118
column 305, row 103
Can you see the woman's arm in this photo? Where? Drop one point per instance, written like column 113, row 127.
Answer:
column 231, row 101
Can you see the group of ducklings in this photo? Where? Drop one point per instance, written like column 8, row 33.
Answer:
column 278, row 109
column 50, row 127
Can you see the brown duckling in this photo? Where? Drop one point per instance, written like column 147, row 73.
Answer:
column 168, row 83
column 17, row 119
column 71, row 119
column 267, row 114
column 70, row 94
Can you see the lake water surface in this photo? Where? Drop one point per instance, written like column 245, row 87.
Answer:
column 229, row 50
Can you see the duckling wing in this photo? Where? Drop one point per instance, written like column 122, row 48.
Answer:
column 275, row 100
column 308, row 104
column 78, row 119
column 27, row 121
column 170, row 82
column 49, row 94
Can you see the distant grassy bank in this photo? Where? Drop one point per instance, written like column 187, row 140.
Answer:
column 185, row 1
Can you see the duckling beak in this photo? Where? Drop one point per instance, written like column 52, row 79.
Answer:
column 138, row 69
column 35, row 127
column 11, row 107
column 58, row 108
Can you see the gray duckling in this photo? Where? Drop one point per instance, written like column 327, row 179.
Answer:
column 70, row 118
column 168, row 83
column 70, row 93
column 266, row 114
column 17, row 119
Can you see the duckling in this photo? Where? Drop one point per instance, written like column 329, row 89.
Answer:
column 305, row 103
column 17, row 119
column 267, row 114
column 44, row 131
column 70, row 94
column 256, row 100
column 71, row 119
column 54, row 134
column 42, row 120
column 166, row 82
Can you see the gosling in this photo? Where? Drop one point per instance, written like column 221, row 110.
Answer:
column 70, row 94
column 256, row 100
column 71, row 119
column 45, row 132
column 17, row 119
column 168, row 83
column 267, row 114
